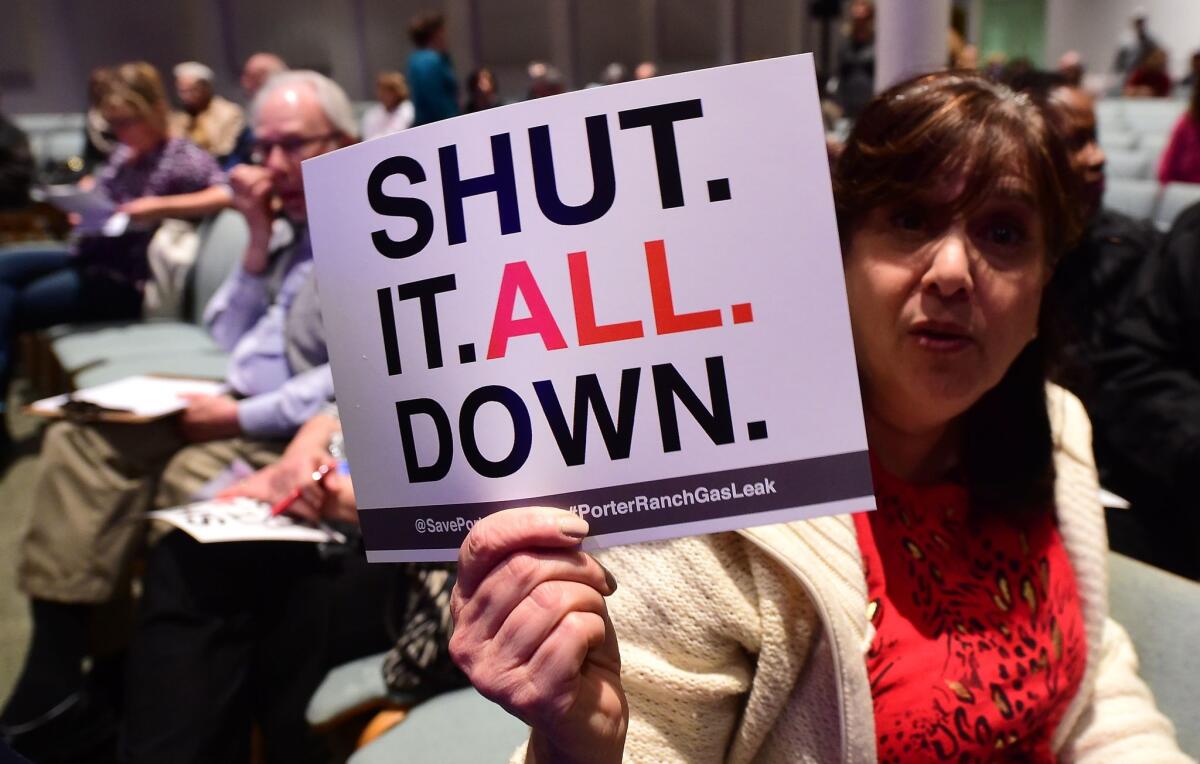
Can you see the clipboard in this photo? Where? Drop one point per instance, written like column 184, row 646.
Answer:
column 138, row 399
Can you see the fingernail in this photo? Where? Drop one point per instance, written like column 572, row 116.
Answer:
column 609, row 579
column 573, row 527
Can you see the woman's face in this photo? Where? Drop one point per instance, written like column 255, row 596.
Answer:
column 132, row 129
column 387, row 96
column 941, row 305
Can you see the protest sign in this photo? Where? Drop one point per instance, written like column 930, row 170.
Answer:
column 626, row 301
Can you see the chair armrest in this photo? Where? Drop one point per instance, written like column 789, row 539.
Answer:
column 347, row 690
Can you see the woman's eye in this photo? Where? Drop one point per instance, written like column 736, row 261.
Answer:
column 1005, row 234
column 908, row 220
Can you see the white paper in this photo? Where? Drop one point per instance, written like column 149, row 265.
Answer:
column 755, row 283
column 242, row 519
column 93, row 206
column 1112, row 500
column 142, row 395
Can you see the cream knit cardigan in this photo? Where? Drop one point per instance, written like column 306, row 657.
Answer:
column 749, row 646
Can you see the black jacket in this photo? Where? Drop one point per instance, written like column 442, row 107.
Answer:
column 16, row 166
column 1146, row 408
column 1091, row 291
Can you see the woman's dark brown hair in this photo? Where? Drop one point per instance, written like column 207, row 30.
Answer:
column 962, row 125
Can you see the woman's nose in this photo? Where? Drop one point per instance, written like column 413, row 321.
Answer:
column 1095, row 157
column 949, row 268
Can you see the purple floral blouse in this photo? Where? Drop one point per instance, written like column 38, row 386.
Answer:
column 177, row 167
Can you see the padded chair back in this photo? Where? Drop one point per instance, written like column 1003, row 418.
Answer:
column 1117, row 140
column 1161, row 612
column 1110, row 114
column 223, row 240
column 1176, row 197
column 61, row 145
column 459, row 727
column 1131, row 165
column 1154, row 144
column 1135, row 198
column 1153, row 115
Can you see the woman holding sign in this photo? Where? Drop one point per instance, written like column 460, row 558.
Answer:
column 966, row 619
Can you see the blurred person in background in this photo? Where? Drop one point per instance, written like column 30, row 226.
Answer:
column 856, row 59
column 1180, row 161
column 430, row 71
column 1150, row 78
column 99, row 141
column 259, row 68
column 1147, row 412
column 393, row 111
column 1070, row 68
column 16, row 166
column 483, row 91
column 1093, row 284
column 544, row 80
column 613, row 74
column 207, row 120
column 1137, row 44
column 150, row 176
column 1193, row 73
column 645, row 70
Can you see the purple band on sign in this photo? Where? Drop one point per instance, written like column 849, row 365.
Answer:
column 633, row 506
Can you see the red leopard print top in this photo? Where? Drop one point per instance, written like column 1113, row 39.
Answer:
column 979, row 644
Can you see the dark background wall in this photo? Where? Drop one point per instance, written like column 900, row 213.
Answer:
column 47, row 47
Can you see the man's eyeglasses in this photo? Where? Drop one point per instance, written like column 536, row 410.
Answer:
column 293, row 148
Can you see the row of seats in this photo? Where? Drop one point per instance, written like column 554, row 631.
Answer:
column 1139, row 115
column 1147, row 200
column 1132, row 164
column 92, row 354
column 1134, row 133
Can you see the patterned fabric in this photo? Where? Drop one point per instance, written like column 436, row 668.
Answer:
column 419, row 665
column 215, row 130
column 177, row 167
column 979, row 641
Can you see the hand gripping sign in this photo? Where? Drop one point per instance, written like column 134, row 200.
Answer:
column 626, row 301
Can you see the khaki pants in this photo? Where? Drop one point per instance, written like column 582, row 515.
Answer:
column 95, row 483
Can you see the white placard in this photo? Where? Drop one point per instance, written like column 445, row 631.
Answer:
column 627, row 301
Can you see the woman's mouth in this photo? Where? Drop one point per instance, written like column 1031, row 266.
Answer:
column 941, row 337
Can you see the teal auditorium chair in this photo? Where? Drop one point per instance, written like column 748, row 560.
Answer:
column 1160, row 611
column 1130, row 164
column 1176, row 197
column 1136, row 198
column 456, row 727
column 92, row 354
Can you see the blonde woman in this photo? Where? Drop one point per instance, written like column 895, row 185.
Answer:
column 148, row 177
column 394, row 112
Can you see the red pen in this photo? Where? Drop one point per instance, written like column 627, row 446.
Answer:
column 283, row 504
